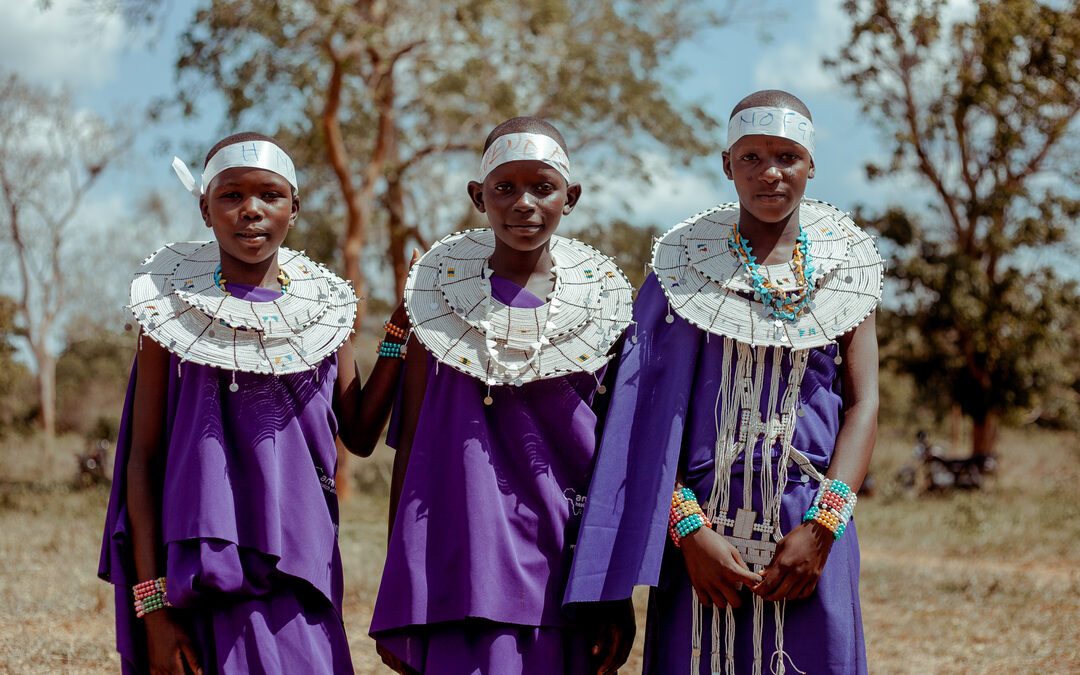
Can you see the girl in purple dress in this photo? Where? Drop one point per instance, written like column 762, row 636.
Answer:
column 221, row 534
column 742, row 423
column 512, row 328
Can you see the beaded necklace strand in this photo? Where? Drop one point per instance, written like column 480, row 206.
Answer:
column 784, row 305
column 282, row 278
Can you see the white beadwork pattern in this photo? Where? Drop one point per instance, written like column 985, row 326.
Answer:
column 452, row 312
column 706, row 283
column 175, row 300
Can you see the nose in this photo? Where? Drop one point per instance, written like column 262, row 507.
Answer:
column 771, row 174
column 251, row 208
column 525, row 203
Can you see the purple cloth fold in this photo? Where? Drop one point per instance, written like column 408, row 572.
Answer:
column 490, row 503
column 663, row 405
column 248, row 503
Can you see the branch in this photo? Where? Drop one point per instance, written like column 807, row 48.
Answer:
column 429, row 150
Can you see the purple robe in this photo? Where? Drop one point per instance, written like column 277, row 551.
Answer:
column 663, row 407
column 249, row 520
column 477, row 563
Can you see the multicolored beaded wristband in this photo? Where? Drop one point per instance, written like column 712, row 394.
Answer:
column 833, row 505
column 149, row 596
column 393, row 350
column 686, row 514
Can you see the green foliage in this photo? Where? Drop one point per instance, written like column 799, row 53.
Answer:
column 984, row 113
column 91, row 382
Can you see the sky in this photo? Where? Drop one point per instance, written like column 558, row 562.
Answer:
column 109, row 70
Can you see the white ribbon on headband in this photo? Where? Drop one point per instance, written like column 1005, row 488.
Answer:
column 254, row 154
column 769, row 121
column 522, row 146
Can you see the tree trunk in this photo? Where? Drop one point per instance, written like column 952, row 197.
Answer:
column 398, row 233
column 984, row 433
column 46, row 377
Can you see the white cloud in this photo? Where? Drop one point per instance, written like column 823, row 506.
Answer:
column 794, row 60
column 64, row 44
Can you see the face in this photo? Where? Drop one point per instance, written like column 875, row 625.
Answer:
column 770, row 174
column 250, row 210
column 524, row 201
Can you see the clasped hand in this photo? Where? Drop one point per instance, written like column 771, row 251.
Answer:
column 718, row 573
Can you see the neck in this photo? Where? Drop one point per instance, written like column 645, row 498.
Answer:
column 528, row 269
column 263, row 274
column 772, row 242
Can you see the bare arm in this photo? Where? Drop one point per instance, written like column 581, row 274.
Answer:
column 362, row 410
column 859, row 380
column 801, row 554
column 167, row 643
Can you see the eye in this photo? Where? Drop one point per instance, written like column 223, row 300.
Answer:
column 748, row 156
column 545, row 188
column 271, row 196
column 502, row 188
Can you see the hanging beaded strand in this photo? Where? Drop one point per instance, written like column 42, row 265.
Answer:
column 784, row 305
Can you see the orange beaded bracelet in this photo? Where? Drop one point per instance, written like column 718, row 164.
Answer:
column 394, row 331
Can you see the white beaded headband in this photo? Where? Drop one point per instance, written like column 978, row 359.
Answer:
column 254, row 154
column 523, row 146
column 771, row 121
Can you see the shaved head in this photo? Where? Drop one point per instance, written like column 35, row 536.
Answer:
column 526, row 125
column 772, row 98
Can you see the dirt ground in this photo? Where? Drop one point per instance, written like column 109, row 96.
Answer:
column 982, row 582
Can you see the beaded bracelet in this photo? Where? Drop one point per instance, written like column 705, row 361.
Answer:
column 394, row 350
column 149, row 596
column 394, row 331
column 686, row 514
column 833, row 506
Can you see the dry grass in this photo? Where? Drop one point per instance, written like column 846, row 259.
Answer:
column 985, row 582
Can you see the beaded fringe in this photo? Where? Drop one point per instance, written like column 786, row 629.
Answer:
column 740, row 423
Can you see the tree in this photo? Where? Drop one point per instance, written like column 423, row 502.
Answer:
column 384, row 97
column 50, row 157
column 984, row 114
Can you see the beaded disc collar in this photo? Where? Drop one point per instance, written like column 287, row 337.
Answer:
column 452, row 312
column 175, row 299
column 707, row 283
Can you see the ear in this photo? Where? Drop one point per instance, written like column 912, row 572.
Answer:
column 204, row 208
column 810, row 173
column 727, row 164
column 573, row 193
column 295, row 210
column 476, row 194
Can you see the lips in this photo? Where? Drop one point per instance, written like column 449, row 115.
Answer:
column 252, row 235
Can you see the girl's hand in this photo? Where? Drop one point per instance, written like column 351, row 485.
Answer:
column 796, row 566
column 612, row 628
column 168, row 646
column 716, row 569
